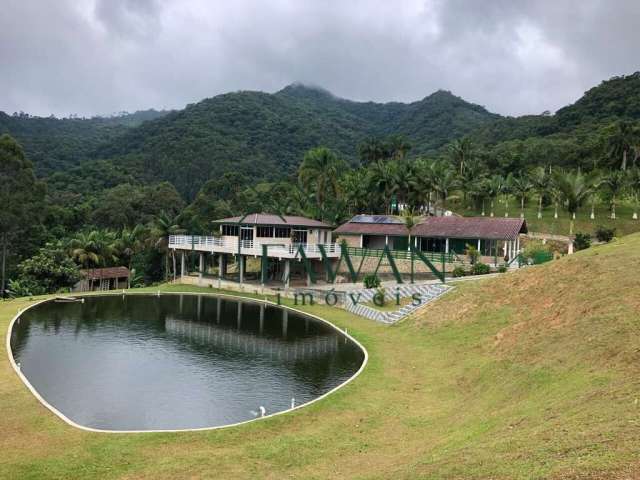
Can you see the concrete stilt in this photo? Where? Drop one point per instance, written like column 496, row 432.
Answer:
column 201, row 266
column 241, row 259
column 287, row 272
column 183, row 264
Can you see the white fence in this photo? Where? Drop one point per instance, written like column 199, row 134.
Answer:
column 249, row 247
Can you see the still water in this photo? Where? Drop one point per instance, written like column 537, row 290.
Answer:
column 177, row 361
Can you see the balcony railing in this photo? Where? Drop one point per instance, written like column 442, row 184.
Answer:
column 251, row 247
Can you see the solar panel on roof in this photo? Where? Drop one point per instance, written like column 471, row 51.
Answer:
column 384, row 219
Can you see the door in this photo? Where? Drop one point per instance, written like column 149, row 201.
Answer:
column 299, row 236
column 246, row 233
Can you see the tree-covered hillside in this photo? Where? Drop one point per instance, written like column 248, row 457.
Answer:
column 55, row 144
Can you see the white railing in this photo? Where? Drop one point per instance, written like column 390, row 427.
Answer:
column 230, row 245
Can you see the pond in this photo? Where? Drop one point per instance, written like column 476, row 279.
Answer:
column 169, row 362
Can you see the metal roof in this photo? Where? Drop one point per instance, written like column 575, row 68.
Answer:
column 274, row 219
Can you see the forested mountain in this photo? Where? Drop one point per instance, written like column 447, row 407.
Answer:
column 55, row 144
column 264, row 136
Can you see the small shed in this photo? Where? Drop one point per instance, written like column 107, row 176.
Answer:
column 110, row 278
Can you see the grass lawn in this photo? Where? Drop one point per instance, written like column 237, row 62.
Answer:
column 624, row 223
column 532, row 374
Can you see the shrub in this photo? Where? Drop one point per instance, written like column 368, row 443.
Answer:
column 480, row 269
column 604, row 234
column 459, row 271
column 371, row 281
column 582, row 241
column 502, row 269
column 473, row 254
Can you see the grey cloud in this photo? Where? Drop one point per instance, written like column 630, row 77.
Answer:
column 102, row 56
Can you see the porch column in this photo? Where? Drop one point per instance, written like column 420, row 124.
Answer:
column 201, row 266
column 386, row 239
column 287, row 272
column 361, row 241
column 221, row 266
column 518, row 243
column 183, row 264
column 241, row 267
column 446, row 246
column 478, row 245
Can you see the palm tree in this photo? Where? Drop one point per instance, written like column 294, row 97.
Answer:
column 397, row 147
column 634, row 186
column 130, row 242
column 494, row 187
column 541, row 182
column 319, row 173
column 370, row 151
column 93, row 249
column 616, row 182
column 521, row 186
column 383, row 177
column 507, row 189
column 621, row 141
column 422, row 182
column 574, row 188
column 474, row 171
column 163, row 227
column 445, row 179
column 461, row 151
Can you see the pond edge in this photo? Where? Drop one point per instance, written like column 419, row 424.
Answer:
column 67, row 420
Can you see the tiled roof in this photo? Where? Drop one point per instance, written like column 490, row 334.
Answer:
column 111, row 272
column 444, row 227
column 273, row 219
column 471, row 227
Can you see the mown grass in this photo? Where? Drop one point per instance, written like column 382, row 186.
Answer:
column 527, row 375
column 624, row 222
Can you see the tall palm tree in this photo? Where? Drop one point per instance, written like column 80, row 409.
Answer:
column 130, row 242
column 494, row 187
column 574, row 188
column 621, row 141
column 383, row 177
column 474, row 172
column 507, row 189
column 521, row 185
column 634, row 186
column 397, row 147
column 319, row 173
column 615, row 182
column 163, row 227
column 461, row 151
column 445, row 180
column 422, row 182
column 370, row 151
column 541, row 182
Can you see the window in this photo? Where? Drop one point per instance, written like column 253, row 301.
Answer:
column 230, row 230
column 283, row 232
column 265, row 232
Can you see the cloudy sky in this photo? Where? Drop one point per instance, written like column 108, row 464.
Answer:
column 514, row 57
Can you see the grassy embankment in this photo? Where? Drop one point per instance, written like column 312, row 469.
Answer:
column 624, row 223
column 527, row 375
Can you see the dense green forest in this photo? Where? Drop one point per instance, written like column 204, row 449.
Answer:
column 107, row 191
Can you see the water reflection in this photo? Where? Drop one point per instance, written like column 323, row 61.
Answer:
column 176, row 361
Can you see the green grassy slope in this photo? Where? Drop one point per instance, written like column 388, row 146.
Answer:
column 527, row 375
